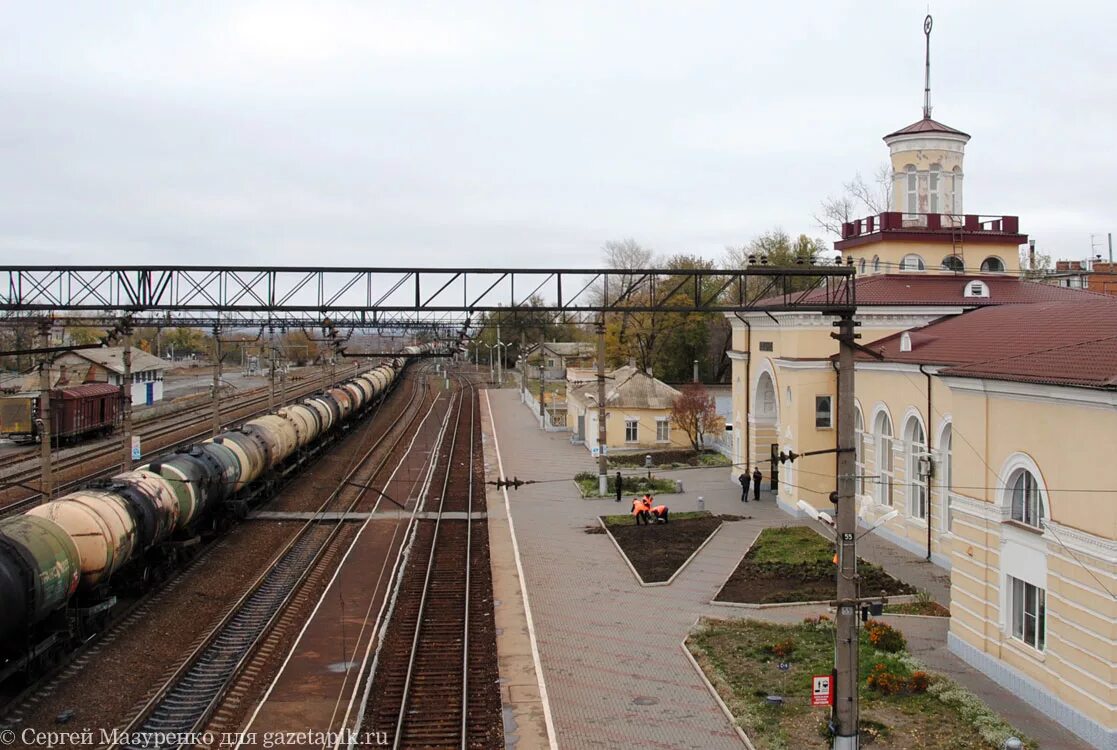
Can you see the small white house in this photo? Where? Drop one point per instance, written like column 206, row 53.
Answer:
column 106, row 365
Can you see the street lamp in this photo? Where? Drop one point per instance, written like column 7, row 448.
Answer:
column 499, row 362
column 490, row 347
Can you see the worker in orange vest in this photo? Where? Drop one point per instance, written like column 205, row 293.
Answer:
column 640, row 508
column 659, row 513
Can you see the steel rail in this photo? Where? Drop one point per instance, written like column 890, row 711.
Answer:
column 258, row 608
column 465, row 393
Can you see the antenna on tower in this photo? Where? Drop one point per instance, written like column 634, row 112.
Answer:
column 927, row 23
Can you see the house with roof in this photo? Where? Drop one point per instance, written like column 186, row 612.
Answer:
column 985, row 414
column 637, row 412
column 106, row 365
column 557, row 356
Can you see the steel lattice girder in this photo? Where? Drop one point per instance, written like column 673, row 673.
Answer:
column 361, row 294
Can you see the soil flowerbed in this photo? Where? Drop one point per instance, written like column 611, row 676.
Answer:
column 795, row 564
column 658, row 550
column 922, row 608
column 747, row 660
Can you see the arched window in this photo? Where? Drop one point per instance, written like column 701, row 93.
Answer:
column 859, row 452
column 993, row 264
column 976, row 289
column 1026, row 498
column 876, row 264
column 934, row 187
column 957, row 191
column 946, row 477
column 953, row 263
column 861, row 266
column 912, row 190
column 912, row 262
column 916, row 446
column 766, row 398
column 882, row 434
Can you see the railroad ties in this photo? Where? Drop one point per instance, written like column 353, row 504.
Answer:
column 193, row 695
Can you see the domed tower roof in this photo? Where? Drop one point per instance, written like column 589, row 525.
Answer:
column 926, row 126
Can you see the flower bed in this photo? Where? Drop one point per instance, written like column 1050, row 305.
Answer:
column 795, row 564
column 902, row 705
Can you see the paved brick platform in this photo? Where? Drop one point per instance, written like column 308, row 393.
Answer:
column 615, row 674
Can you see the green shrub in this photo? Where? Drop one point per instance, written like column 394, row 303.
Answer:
column 884, row 637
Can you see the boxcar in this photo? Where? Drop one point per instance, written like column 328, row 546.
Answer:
column 75, row 412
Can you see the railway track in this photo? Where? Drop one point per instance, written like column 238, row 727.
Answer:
column 189, row 697
column 437, row 678
column 165, row 436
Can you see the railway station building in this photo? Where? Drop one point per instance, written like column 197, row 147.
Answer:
column 987, row 418
column 106, row 365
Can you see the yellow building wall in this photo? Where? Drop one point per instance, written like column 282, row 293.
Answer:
column 891, row 252
column 615, row 419
column 1069, row 446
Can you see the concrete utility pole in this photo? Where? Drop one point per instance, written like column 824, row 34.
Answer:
column 126, row 398
column 271, row 369
column 44, row 416
column 846, row 643
column 216, row 380
column 499, row 363
column 602, row 460
column 542, row 381
column 523, row 371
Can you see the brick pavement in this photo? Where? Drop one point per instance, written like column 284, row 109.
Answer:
column 609, row 648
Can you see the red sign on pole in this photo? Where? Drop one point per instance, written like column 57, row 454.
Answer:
column 822, row 691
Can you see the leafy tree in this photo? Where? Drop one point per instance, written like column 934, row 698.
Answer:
column 695, row 413
column 775, row 248
column 81, row 335
column 297, row 346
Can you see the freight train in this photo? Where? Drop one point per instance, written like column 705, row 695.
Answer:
column 76, row 411
column 63, row 563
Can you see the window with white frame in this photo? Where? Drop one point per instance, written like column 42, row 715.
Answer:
column 933, row 189
column 916, row 441
column 663, row 429
column 953, row 263
column 883, row 436
column 912, row 190
column 823, row 412
column 630, row 430
column 1028, row 608
column 977, row 289
column 861, row 266
column 1026, row 498
column 876, row 264
column 912, row 262
column 859, row 451
column 993, row 264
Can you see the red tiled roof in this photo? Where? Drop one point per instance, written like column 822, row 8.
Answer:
column 945, row 289
column 927, row 125
column 1062, row 343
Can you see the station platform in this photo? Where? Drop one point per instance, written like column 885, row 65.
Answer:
column 613, row 673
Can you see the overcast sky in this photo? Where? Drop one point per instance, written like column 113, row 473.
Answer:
column 523, row 133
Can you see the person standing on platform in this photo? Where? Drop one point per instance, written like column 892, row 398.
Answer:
column 618, row 486
column 744, row 480
column 757, row 478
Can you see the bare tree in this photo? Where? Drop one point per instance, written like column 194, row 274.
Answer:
column 859, row 197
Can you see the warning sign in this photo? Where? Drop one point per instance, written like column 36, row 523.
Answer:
column 822, row 691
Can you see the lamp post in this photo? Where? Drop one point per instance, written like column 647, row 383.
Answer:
column 490, row 347
column 499, row 362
